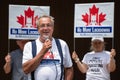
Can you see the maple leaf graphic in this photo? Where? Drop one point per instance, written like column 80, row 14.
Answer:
column 29, row 12
column 21, row 20
column 93, row 18
column 28, row 20
column 48, row 55
column 85, row 17
column 93, row 10
column 102, row 17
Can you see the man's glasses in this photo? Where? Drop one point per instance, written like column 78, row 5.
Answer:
column 46, row 25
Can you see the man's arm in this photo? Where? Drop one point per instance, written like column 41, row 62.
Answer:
column 32, row 64
column 7, row 66
column 69, row 73
column 112, row 64
column 82, row 66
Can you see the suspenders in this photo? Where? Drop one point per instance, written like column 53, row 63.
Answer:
column 34, row 54
column 60, row 53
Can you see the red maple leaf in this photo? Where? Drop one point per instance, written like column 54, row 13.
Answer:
column 99, row 18
column 29, row 14
column 48, row 55
column 21, row 20
column 85, row 18
column 93, row 10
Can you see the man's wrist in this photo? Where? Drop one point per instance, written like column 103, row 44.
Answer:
column 111, row 56
column 77, row 60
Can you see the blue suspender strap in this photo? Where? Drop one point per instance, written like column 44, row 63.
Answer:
column 61, row 55
column 34, row 54
column 33, row 48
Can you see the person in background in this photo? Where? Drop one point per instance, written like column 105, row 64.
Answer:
column 98, row 63
column 47, row 62
column 14, row 62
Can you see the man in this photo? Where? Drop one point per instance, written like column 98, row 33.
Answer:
column 47, row 62
column 14, row 62
column 98, row 63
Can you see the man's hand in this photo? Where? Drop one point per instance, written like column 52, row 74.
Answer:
column 8, row 58
column 113, row 53
column 47, row 44
column 75, row 56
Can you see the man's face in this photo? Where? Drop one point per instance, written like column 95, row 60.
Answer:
column 46, row 27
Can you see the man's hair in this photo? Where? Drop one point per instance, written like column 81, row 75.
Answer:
column 44, row 16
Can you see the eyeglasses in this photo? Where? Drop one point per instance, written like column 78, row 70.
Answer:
column 46, row 25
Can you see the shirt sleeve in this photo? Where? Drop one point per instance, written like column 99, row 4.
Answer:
column 85, row 59
column 108, row 57
column 27, row 52
column 66, row 55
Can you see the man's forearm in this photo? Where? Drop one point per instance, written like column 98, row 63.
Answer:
column 32, row 64
column 69, row 73
column 112, row 65
column 7, row 67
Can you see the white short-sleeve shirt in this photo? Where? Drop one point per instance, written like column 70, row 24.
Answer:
column 46, row 69
column 97, row 65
